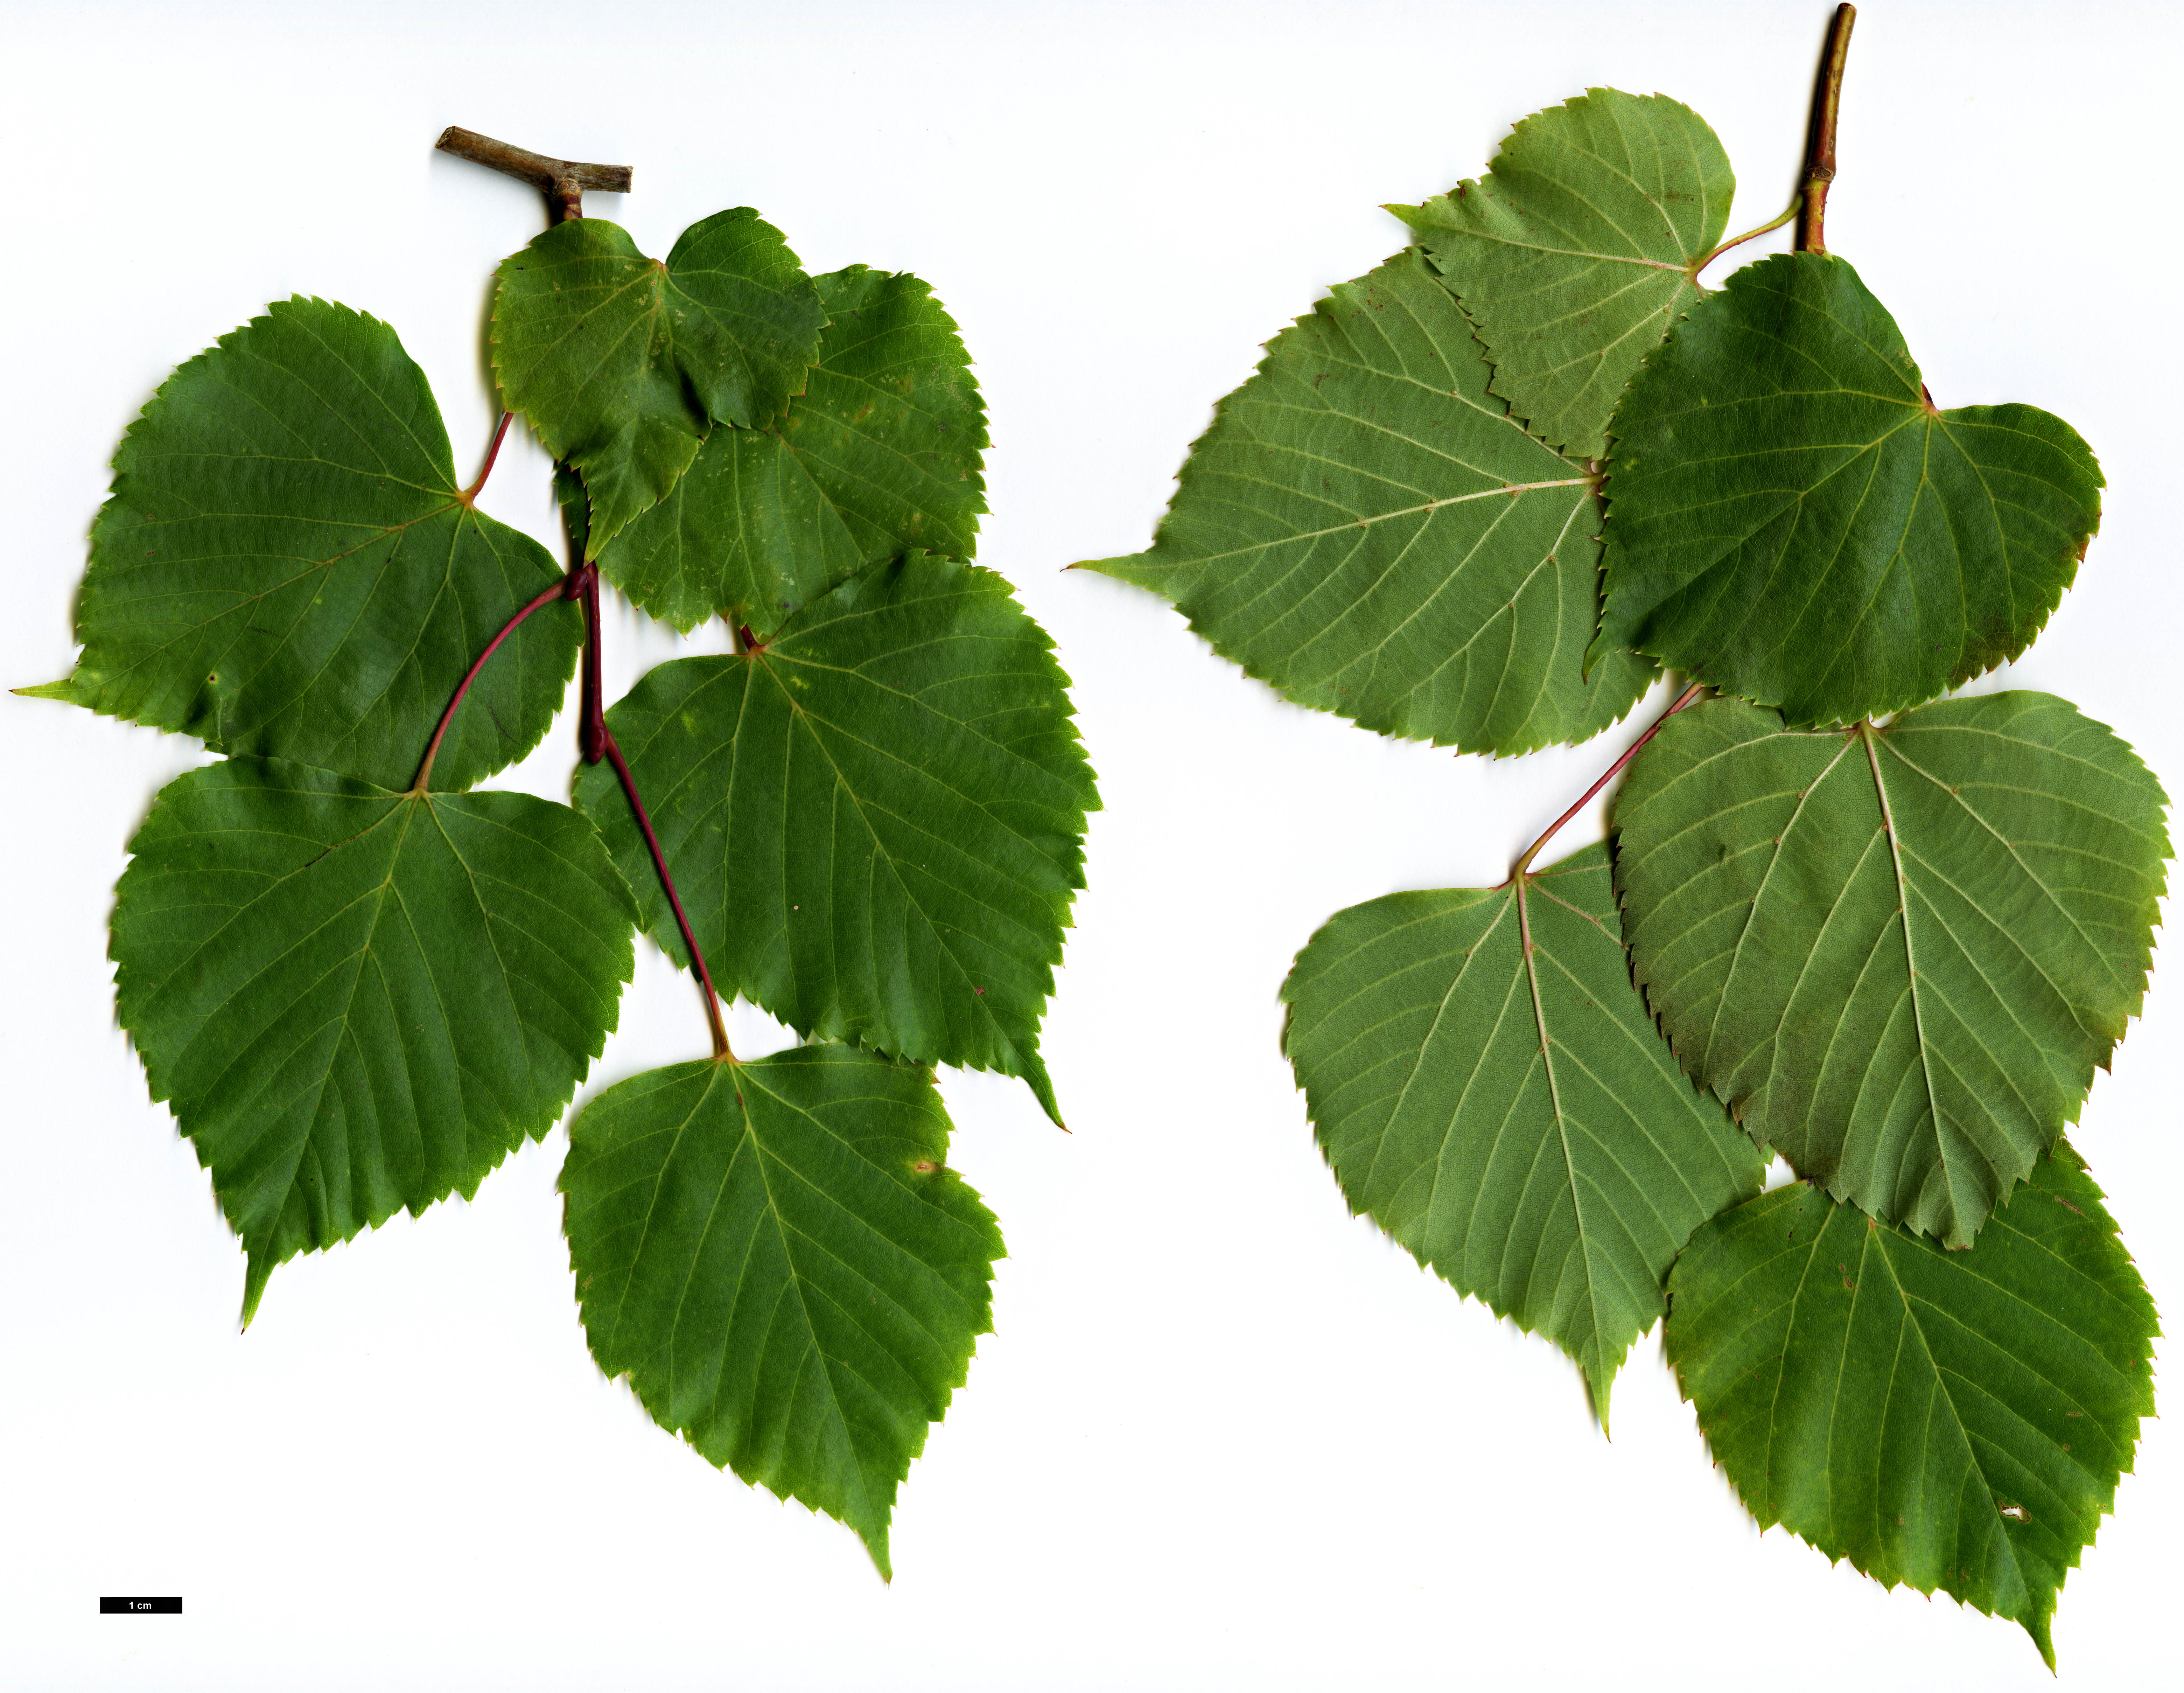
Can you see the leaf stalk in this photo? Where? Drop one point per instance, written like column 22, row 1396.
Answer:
column 432, row 751
column 1606, row 776
column 1796, row 203
column 469, row 496
column 613, row 755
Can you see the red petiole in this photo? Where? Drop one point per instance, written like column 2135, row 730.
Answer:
column 469, row 496
column 613, row 754
column 1606, row 776
column 463, row 687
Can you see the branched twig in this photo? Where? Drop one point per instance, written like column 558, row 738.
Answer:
column 1820, row 137
column 562, row 181
column 1810, row 207
column 583, row 585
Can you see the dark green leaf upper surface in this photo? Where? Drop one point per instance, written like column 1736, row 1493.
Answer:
column 1365, row 528
column 1898, row 954
column 778, row 1258
column 876, row 822
column 287, row 566
column 1576, row 251
column 357, row 1002
column 1951, row 1420
column 623, row 363
column 1508, row 1111
column 880, row 454
column 1791, row 520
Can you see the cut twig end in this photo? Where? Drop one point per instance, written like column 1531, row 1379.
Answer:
column 562, row 181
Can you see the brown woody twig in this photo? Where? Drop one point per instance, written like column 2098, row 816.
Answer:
column 562, row 181
column 1820, row 138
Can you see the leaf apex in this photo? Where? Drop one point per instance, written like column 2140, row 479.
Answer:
column 1599, row 1381
column 876, row 1546
column 1128, row 567
column 1042, row 1088
column 258, row 1271
column 2040, row 1626
column 65, row 691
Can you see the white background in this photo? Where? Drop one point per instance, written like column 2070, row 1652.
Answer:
column 1226, row 1436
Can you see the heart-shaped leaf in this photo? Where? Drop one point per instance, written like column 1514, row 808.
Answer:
column 623, row 364
column 287, row 566
column 1490, row 1089
column 880, row 454
column 875, row 822
column 1576, row 251
column 1897, row 953
column 1944, row 1420
column 356, row 1002
column 1365, row 528
column 777, row 1256
column 1791, row 520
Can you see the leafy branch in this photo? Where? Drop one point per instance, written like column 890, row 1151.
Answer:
column 361, row 982
column 1482, row 496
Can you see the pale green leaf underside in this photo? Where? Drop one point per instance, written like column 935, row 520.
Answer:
column 1950, row 1420
column 1576, row 251
column 778, row 1258
column 355, row 1002
column 286, row 566
column 1512, row 1118
column 879, row 454
column 876, row 823
column 1791, row 521
column 623, row 364
column 1897, row 954
column 1364, row 527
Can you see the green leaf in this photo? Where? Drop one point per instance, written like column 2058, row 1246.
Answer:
column 1791, row 520
column 623, row 364
column 357, row 1002
column 778, row 1258
column 1366, row 528
column 287, row 566
column 879, row 454
column 875, row 822
column 1489, row 1089
column 1897, row 953
column 1951, row 1420
column 1576, row 251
